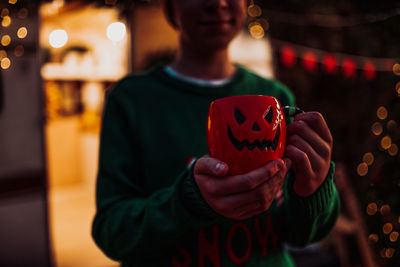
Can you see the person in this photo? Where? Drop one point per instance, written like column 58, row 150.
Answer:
column 155, row 209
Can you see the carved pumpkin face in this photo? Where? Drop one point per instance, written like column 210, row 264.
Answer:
column 246, row 131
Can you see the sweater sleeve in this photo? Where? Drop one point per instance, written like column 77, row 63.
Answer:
column 130, row 224
column 310, row 219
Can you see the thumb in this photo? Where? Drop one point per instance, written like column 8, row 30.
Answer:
column 210, row 166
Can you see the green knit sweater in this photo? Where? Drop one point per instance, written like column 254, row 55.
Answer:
column 149, row 209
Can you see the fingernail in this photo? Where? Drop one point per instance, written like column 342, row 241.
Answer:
column 219, row 167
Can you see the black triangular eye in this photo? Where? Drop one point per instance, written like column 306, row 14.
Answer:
column 269, row 115
column 240, row 118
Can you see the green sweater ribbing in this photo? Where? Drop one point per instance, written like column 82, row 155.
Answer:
column 149, row 209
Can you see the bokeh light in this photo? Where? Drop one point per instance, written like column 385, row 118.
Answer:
column 393, row 150
column 394, row 236
column 12, row 1
column 391, row 125
column 383, row 253
column 349, row 67
column 386, row 142
column 23, row 13
column 22, row 32
column 372, row 208
column 4, row 12
column 387, row 228
column 19, row 51
column 368, row 158
column 116, row 31
column 310, row 61
column 58, row 38
column 5, row 40
column 382, row 113
column 398, row 88
column 6, row 21
column 288, row 56
column 5, row 63
column 362, row 169
column 396, row 69
column 377, row 128
column 330, row 63
column 373, row 239
column 254, row 10
column 256, row 30
column 389, row 252
column 369, row 70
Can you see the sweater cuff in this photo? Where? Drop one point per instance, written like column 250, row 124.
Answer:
column 319, row 202
column 192, row 198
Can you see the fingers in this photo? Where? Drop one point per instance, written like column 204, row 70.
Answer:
column 303, row 130
column 314, row 158
column 210, row 166
column 258, row 199
column 300, row 160
column 245, row 182
column 317, row 122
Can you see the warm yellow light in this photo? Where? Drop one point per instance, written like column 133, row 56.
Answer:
column 396, row 69
column 22, row 32
column 389, row 252
column 373, row 238
column 377, row 128
column 372, row 208
column 382, row 113
column 385, row 209
column 383, row 251
column 6, row 21
column 368, row 158
column 394, row 236
column 257, row 31
column 5, row 40
column 5, row 63
column 386, row 142
column 58, row 38
column 393, row 150
column 12, row 1
column 254, row 10
column 23, row 13
column 19, row 50
column 116, row 31
column 362, row 169
column 387, row 228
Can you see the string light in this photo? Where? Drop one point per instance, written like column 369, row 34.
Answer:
column 5, row 40
column 19, row 51
column 391, row 125
column 393, row 150
column 4, row 12
column 288, row 56
column 330, row 63
column 5, row 63
column 372, row 208
column 382, row 113
column 310, row 62
column 377, row 128
column 12, row 1
column 3, row 54
column 6, row 21
column 386, row 142
column 368, row 158
column 389, row 252
column 394, row 236
column 349, row 67
column 396, row 69
column 22, row 32
column 369, row 70
column 398, row 88
column 256, row 30
column 23, row 13
column 254, row 10
column 362, row 169
column 387, row 228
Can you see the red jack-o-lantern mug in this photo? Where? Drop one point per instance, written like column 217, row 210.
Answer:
column 246, row 131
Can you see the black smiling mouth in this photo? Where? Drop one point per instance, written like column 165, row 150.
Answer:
column 261, row 145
